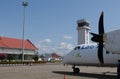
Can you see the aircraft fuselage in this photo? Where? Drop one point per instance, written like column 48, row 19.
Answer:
column 86, row 54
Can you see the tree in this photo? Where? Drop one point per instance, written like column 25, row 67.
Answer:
column 36, row 57
column 10, row 57
column 42, row 57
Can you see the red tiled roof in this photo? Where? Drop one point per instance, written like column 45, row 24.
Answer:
column 54, row 55
column 6, row 42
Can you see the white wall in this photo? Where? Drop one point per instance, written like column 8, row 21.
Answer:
column 16, row 51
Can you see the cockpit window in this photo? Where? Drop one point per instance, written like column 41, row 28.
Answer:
column 75, row 48
column 78, row 47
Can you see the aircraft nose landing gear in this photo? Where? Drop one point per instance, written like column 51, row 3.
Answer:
column 75, row 70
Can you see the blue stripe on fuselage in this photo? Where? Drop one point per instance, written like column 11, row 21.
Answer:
column 88, row 46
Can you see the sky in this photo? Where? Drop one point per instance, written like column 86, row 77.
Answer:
column 51, row 24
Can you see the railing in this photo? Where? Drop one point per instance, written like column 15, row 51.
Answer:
column 4, row 63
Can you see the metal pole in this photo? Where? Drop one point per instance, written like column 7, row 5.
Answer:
column 24, row 5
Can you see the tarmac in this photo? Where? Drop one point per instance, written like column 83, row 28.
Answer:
column 56, row 71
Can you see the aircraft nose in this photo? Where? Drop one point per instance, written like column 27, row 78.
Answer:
column 65, row 59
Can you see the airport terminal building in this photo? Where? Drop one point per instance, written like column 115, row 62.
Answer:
column 13, row 46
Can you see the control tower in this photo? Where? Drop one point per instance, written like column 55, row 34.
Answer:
column 83, row 31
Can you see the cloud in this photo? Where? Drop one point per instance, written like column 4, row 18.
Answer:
column 66, row 45
column 64, row 48
column 62, row 44
column 47, row 46
column 47, row 40
column 43, row 45
column 67, row 37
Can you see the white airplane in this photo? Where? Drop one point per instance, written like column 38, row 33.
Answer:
column 105, row 52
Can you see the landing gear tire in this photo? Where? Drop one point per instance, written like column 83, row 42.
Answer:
column 76, row 70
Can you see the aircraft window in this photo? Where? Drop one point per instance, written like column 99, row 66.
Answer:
column 107, row 52
column 77, row 48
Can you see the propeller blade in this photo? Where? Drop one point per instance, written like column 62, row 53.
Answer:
column 100, row 38
column 100, row 53
column 93, row 34
column 101, row 25
column 95, row 37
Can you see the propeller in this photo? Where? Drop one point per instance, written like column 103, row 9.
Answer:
column 99, row 38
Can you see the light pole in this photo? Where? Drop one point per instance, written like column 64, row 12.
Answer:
column 25, row 4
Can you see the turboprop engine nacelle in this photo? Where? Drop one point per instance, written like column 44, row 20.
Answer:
column 112, row 41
